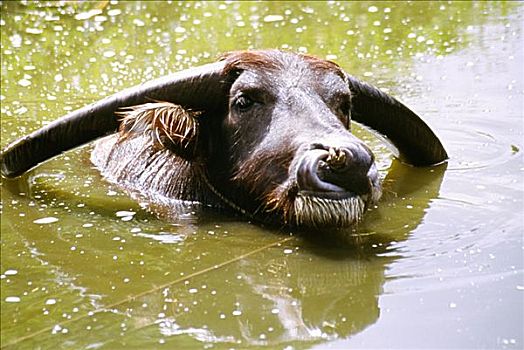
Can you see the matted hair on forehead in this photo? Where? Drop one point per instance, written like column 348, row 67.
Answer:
column 273, row 60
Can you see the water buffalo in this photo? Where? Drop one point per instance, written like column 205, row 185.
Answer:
column 266, row 133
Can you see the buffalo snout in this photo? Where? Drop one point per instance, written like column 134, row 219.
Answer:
column 338, row 177
column 350, row 168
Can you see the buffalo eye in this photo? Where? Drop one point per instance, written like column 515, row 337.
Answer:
column 342, row 108
column 243, row 102
column 345, row 107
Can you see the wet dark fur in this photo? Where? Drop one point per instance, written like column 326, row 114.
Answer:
column 155, row 152
column 170, row 126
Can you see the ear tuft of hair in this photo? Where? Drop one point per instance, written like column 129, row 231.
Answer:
column 169, row 125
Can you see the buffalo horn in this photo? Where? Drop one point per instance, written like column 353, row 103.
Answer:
column 413, row 138
column 198, row 88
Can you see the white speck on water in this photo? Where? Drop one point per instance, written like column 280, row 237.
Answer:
column 124, row 213
column 87, row 225
column 236, row 313
column 308, row 10
column 24, row 82
column 88, row 14
column 126, row 280
column 10, row 272
column 34, row 31
column 50, row 302
column 521, row 288
column 372, row 9
column 12, row 299
column 109, row 53
column 59, row 77
column 116, row 238
column 114, row 12
column 139, row 23
column 273, row 18
column 452, row 305
column 180, row 30
column 16, row 41
column 275, row 311
column 57, row 328
column 21, row 110
column 47, row 220
column 288, row 251
column 193, row 291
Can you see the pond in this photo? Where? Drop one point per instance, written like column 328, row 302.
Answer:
column 439, row 264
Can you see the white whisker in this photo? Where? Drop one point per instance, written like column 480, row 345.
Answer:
column 318, row 212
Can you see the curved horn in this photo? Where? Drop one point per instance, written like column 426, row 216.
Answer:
column 416, row 142
column 196, row 88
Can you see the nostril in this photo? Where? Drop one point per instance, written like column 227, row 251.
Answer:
column 338, row 159
column 347, row 167
column 310, row 167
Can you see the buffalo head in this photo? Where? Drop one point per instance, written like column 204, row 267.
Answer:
column 266, row 133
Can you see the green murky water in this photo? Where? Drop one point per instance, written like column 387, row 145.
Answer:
column 439, row 264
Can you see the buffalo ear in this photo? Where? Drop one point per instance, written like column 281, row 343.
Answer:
column 417, row 143
column 169, row 125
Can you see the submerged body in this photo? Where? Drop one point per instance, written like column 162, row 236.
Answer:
column 266, row 133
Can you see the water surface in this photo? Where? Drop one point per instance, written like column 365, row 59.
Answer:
column 438, row 265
